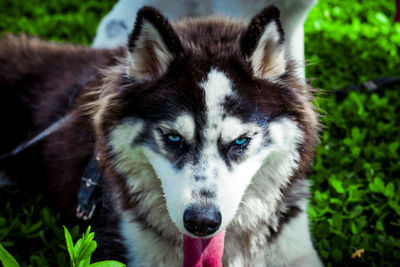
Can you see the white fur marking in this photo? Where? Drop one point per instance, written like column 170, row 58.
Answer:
column 123, row 136
column 176, row 186
column 217, row 87
column 184, row 125
column 240, row 128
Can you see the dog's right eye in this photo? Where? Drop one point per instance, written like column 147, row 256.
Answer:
column 241, row 141
column 174, row 141
column 174, row 138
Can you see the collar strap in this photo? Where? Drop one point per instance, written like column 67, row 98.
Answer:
column 90, row 191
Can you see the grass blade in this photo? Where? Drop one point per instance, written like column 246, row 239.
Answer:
column 7, row 259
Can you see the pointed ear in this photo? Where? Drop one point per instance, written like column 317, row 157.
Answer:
column 153, row 44
column 262, row 44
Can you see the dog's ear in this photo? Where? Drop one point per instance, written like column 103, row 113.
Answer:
column 152, row 46
column 262, row 44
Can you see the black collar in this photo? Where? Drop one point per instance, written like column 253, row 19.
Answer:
column 90, row 191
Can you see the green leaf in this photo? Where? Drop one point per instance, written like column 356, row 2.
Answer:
column 393, row 147
column 336, row 184
column 324, row 254
column 107, row 264
column 7, row 259
column 389, row 190
column 354, row 228
column 356, row 211
column 396, row 254
column 61, row 259
column 77, row 249
column 335, row 201
column 394, row 205
column 355, row 151
column 84, row 262
column 84, row 248
column 39, row 260
column 337, row 255
column 35, row 227
column 88, row 230
column 75, row 231
column 87, row 250
column 70, row 245
column 317, row 196
column 379, row 226
column 311, row 212
column 326, row 244
column 377, row 186
column 380, row 17
column 322, row 229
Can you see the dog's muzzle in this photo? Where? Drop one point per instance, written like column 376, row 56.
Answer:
column 202, row 220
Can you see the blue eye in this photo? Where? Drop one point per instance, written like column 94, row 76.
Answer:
column 174, row 138
column 241, row 141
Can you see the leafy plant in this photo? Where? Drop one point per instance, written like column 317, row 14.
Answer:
column 81, row 252
column 30, row 230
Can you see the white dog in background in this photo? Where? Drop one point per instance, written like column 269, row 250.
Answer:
column 114, row 28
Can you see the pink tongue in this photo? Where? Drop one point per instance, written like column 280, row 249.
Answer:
column 199, row 252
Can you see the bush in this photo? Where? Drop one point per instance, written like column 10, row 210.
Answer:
column 356, row 190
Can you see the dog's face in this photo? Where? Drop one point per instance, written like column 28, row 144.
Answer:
column 207, row 114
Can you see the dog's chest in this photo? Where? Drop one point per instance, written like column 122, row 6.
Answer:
column 147, row 248
column 292, row 246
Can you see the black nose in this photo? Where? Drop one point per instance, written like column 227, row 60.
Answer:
column 202, row 221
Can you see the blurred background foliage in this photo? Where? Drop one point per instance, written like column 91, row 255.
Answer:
column 355, row 203
column 356, row 186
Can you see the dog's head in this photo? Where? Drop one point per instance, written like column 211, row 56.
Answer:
column 196, row 110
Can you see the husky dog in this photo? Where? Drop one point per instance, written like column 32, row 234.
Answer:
column 203, row 133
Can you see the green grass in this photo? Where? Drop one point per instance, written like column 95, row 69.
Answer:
column 57, row 20
column 356, row 186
